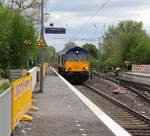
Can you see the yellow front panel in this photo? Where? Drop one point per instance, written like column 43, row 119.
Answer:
column 77, row 66
column 21, row 98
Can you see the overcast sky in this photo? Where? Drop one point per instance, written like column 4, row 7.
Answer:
column 87, row 20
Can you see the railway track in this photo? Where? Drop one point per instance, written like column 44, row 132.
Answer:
column 134, row 122
column 140, row 86
column 141, row 90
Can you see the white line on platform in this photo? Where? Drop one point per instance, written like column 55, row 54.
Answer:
column 111, row 124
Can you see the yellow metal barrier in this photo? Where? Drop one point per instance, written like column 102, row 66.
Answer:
column 38, row 69
column 46, row 64
column 21, row 99
column 45, row 70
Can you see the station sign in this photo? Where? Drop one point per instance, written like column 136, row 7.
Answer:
column 55, row 30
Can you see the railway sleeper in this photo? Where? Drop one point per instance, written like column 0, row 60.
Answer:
column 131, row 123
column 139, row 131
column 136, row 127
column 141, row 134
column 124, row 118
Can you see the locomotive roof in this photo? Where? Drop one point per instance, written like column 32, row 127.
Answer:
column 73, row 49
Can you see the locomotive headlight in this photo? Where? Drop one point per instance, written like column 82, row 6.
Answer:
column 85, row 68
column 77, row 52
column 69, row 68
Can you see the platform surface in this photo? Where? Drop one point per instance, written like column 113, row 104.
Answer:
column 139, row 74
column 62, row 113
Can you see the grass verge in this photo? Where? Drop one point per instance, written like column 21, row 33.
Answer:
column 4, row 86
column 120, row 74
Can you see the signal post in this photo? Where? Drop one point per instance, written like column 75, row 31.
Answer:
column 41, row 48
column 41, row 43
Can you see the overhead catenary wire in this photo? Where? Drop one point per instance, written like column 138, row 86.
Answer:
column 100, row 7
column 91, row 18
column 82, row 38
column 103, row 5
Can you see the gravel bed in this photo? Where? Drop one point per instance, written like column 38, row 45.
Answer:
column 105, row 105
column 125, row 96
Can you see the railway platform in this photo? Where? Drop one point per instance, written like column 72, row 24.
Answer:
column 64, row 111
column 137, row 77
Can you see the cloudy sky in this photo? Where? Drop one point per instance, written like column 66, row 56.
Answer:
column 87, row 20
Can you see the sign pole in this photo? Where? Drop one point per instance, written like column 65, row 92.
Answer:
column 27, row 43
column 41, row 50
column 27, row 53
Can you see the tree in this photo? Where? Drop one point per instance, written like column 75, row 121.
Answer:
column 123, row 43
column 50, row 54
column 94, row 53
column 69, row 45
column 22, row 5
column 30, row 9
column 21, row 30
column 5, row 36
column 92, row 49
column 14, row 29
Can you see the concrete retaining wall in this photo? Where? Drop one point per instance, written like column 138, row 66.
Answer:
column 5, row 113
column 33, row 72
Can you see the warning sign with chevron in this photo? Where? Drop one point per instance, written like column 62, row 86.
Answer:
column 41, row 43
column 27, row 42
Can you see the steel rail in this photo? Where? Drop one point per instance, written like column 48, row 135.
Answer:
column 137, row 114
column 135, row 84
column 135, row 87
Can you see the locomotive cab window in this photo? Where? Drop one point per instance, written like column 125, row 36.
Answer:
column 77, row 56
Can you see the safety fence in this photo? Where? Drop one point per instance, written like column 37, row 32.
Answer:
column 21, row 99
column 141, row 68
column 16, row 101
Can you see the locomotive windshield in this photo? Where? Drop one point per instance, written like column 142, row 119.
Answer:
column 77, row 57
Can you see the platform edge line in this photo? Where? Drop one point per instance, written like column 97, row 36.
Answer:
column 110, row 123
